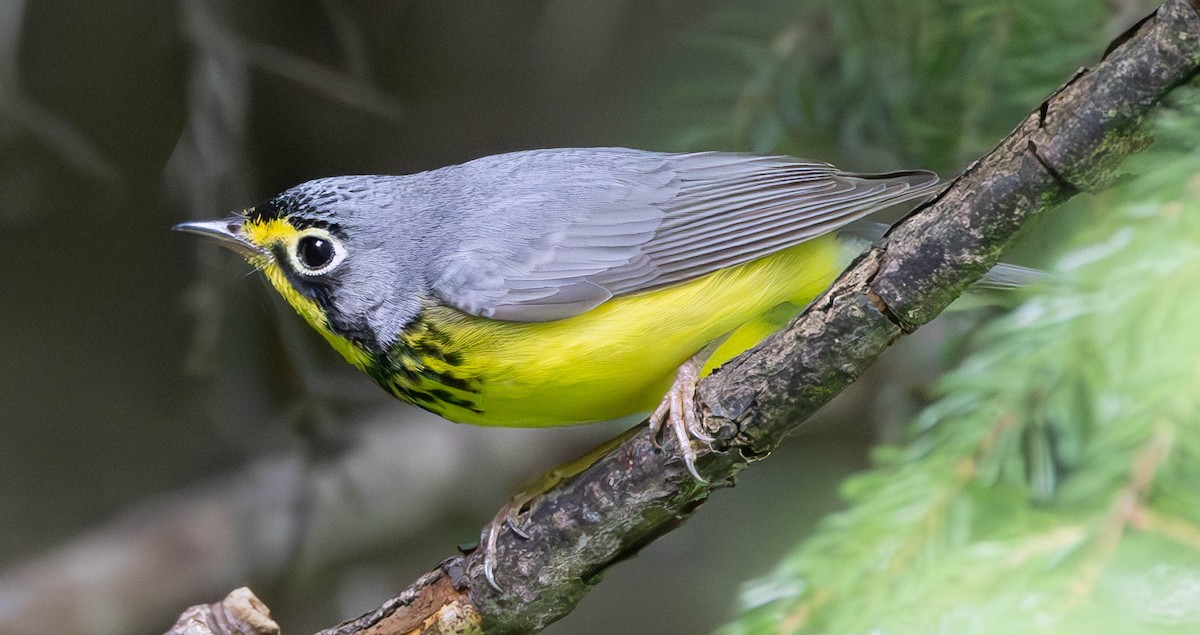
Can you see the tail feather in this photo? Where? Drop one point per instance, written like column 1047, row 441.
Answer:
column 1006, row 277
column 858, row 236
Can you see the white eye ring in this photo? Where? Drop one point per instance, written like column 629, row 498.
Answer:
column 313, row 243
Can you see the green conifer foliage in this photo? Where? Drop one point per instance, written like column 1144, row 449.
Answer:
column 1054, row 487
column 877, row 83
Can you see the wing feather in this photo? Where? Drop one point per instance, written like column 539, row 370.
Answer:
column 609, row 222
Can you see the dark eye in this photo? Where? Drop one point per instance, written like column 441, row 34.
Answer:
column 314, row 252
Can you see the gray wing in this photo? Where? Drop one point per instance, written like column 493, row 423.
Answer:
column 573, row 228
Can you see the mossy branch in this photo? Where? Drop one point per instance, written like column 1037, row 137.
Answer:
column 635, row 492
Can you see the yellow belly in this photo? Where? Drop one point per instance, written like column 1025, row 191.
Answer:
column 619, row 358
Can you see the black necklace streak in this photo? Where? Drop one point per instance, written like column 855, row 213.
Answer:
column 404, row 370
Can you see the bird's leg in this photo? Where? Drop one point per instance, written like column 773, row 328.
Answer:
column 508, row 514
column 677, row 412
column 506, row 517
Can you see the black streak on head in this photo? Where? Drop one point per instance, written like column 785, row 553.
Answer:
column 302, row 211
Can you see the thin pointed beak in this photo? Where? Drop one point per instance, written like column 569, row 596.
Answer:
column 227, row 231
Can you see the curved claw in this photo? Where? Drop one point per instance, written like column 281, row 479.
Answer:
column 658, row 421
column 677, row 412
column 511, row 521
column 693, row 422
column 489, row 537
column 487, row 545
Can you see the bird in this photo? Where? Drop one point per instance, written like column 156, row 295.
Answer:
column 561, row 286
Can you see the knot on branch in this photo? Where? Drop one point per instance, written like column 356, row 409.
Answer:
column 240, row 613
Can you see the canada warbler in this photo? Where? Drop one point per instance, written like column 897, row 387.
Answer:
column 553, row 287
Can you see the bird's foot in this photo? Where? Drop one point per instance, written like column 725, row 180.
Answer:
column 677, row 413
column 506, row 517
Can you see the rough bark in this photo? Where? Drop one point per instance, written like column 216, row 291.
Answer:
column 636, row 492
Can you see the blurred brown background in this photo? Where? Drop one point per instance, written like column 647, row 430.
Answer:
column 143, row 374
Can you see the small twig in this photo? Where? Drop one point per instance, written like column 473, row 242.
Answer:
column 1122, row 512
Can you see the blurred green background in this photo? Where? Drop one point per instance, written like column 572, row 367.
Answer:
column 141, row 371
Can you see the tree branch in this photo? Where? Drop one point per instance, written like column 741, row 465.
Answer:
column 636, row 492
